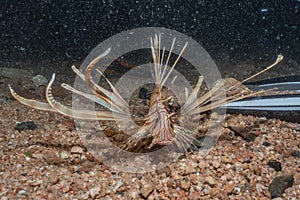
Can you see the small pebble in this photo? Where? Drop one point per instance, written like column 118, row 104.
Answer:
column 21, row 192
column 296, row 153
column 77, row 149
column 216, row 164
column 263, row 129
column 39, row 80
column 53, row 179
column 251, row 137
column 94, row 192
column 185, row 184
column 29, row 125
column 52, row 157
column 163, row 170
column 266, row 144
column 236, row 190
column 205, row 191
column 64, row 155
column 210, row 180
column 275, row 165
column 214, row 192
column 118, row 185
column 147, row 189
column 28, row 154
column 85, row 195
column 238, row 166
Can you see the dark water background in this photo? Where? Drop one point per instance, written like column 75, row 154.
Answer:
column 58, row 31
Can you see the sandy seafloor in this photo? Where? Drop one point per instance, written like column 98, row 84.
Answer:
column 51, row 162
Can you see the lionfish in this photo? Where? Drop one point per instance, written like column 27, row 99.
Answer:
column 161, row 122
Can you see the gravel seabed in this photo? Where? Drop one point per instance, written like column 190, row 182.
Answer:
column 51, row 162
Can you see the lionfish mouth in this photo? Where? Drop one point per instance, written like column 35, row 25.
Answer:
column 159, row 123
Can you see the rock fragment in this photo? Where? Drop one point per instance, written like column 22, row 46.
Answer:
column 39, row 80
column 29, row 125
column 280, row 184
column 77, row 149
column 275, row 165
